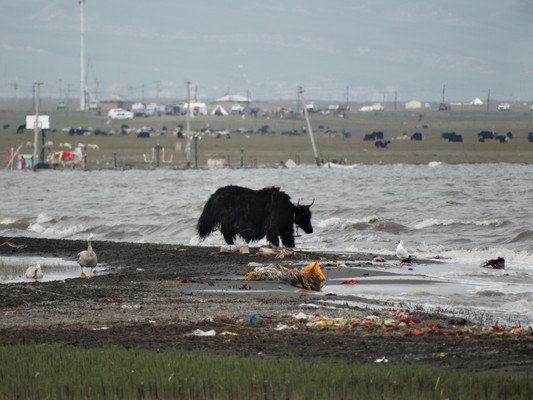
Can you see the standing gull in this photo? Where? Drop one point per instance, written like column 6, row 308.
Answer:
column 87, row 258
column 34, row 272
column 402, row 254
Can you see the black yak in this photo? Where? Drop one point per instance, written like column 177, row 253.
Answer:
column 253, row 214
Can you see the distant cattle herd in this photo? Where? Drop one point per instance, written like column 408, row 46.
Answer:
column 377, row 137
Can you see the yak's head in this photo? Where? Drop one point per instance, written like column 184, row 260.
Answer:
column 302, row 217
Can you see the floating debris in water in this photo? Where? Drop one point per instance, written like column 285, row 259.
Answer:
column 497, row 263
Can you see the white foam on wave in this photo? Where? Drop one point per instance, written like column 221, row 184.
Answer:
column 43, row 218
column 427, row 223
column 434, row 164
column 523, row 306
column 342, row 166
column 7, row 220
column 37, row 228
column 515, row 261
column 336, row 222
column 57, row 230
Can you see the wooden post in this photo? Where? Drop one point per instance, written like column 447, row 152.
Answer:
column 188, row 145
column 300, row 91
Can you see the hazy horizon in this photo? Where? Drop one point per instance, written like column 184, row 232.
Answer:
column 365, row 52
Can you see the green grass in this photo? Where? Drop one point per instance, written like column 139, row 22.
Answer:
column 50, row 372
column 272, row 148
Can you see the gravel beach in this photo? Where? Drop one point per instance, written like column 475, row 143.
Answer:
column 158, row 296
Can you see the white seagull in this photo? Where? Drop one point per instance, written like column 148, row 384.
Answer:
column 87, row 258
column 34, row 272
column 402, row 254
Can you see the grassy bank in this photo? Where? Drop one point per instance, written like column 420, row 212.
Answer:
column 45, row 372
column 336, row 138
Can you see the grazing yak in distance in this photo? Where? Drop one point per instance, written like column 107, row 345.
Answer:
column 253, row 214
column 382, row 143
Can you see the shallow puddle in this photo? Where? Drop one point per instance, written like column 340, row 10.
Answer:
column 13, row 269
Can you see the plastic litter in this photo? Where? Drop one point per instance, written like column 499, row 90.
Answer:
column 256, row 320
column 131, row 306
column 311, row 277
column 350, row 282
column 199, row 332
column 392, row 322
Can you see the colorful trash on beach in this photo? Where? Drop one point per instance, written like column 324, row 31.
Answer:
column 350, row 282
column 311, row 277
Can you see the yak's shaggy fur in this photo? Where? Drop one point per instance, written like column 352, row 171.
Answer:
column 253, row 214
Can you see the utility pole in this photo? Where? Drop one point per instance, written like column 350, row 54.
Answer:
column 347, row 97
column 488, row 101
column 301, row 93
column 188, row 145
column 443, row 93
column 67, row 95
column 82, row 60
column 157, row 91
column 36, row 124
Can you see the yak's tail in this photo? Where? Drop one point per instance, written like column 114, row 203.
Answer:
column 208, row 221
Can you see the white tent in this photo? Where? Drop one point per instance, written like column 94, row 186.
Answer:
column 476, row 101
column 234, row 98
column 373, row 107
column 413, row 104
column 219, row 110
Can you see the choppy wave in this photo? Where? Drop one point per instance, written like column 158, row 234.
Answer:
column 441, row 211
column 431, row 222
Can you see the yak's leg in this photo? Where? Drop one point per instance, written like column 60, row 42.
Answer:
column 287, row 240
column 228, row 231
column 287, row 237
column 273, row 238
column 229, row 235
column 229, row 239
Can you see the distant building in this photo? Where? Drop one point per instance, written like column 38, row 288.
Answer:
column 216, row 161
column 413, row 105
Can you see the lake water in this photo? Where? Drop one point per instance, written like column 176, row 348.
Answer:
column 460, row 214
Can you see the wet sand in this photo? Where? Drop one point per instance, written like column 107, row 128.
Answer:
column 154, row 296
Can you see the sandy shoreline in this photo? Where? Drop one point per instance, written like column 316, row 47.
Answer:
column 157, row 295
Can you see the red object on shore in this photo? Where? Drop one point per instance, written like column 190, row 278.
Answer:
column 350, row 282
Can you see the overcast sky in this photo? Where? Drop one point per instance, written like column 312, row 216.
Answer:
column 370, row 49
